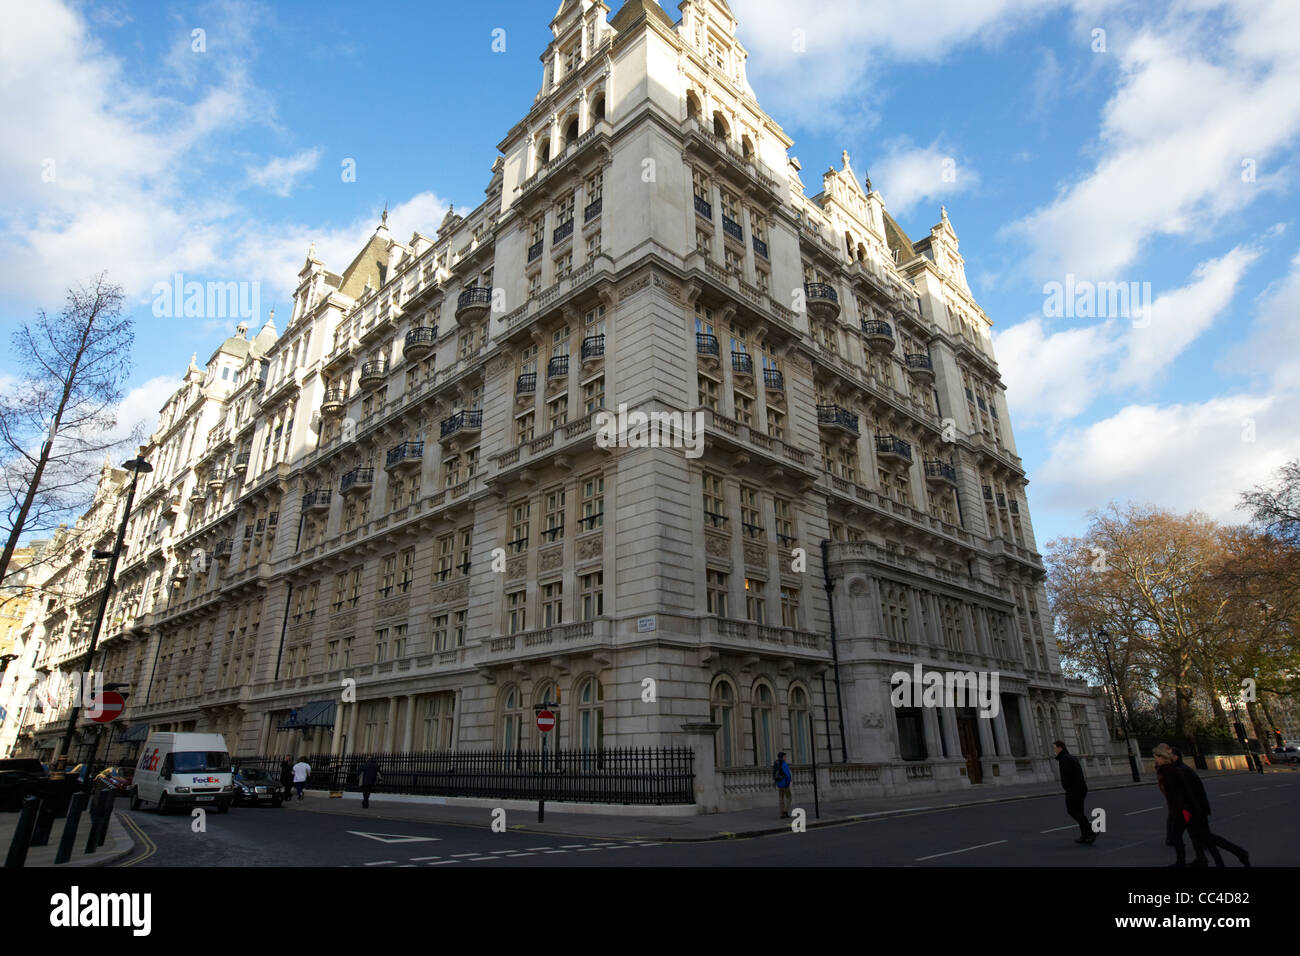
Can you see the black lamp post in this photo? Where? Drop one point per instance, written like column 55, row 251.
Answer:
column 137, row 466
column 1119, row 703
column 1252, row 760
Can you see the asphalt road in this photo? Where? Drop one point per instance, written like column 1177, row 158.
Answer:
column 1258, row 812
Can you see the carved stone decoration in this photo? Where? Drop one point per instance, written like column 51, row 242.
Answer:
column 343, row 622
column 550, row 560
column 717, row 546
column 873, row 719
column 632, row 289
column 393, row 608
column 591, row 547
column 670, row 287
column 516, row 567
column 755, row 554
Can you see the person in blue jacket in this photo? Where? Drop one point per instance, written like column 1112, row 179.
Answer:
column 781, row 777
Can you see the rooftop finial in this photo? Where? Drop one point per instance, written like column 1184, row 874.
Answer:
column 383, row 219
column 845, row 156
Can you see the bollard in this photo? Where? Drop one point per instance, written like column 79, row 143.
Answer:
column 23, row 835
column 75, row 806
column 110, row 801
column 44, row 824
column 97, row 811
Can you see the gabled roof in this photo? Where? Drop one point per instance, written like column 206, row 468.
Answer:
column 364, row 269
column 903, row 248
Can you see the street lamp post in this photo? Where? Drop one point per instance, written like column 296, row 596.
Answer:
column 1252, row 759
column 1119, row 703
column 137, row 466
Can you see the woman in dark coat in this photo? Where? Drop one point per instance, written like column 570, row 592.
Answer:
column 286, row 778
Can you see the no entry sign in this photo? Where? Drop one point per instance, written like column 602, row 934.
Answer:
column 108, row 706
column 545, row 721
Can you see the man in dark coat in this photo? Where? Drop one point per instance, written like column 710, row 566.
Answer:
column 286, row 778
column 1179, row 801
column 369, row 777
column 1076, row 788
column 1198, row 825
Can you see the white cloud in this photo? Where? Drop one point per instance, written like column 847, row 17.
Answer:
column 1272, row 349
column 908, row 175
column 1198, row 456
column 281, row 173
column 1194, row 101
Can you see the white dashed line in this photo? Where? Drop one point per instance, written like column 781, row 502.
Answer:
column 557, row 851
column 1230, row 793
column 517, row 855
column 571, row 846
column 381, row 863
column 464, row 854
column 935, row 856
column 539, row 848
column 588, row 849
column 505, row 851
column 1056, row 829
column 444, row 862
column 1133, row 813
column 421, row 859
column 480, row 859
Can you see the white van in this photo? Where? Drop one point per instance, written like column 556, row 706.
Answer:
column 183, row 770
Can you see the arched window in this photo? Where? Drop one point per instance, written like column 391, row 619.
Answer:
column 591, row 715
column 722, row 710
column 720, row 127
column 571, row 131
column 598, row 109
column 761, row 713
column 848, row 244
column 511, row 719
column 800, row 732
column 693, row 109
column 747, row 148
column 544, row 152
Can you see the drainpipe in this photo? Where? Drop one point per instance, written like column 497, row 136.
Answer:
column 288, row 600
column 835, row 653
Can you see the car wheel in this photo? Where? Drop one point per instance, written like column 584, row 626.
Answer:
column 162, row 805
column 135, row 800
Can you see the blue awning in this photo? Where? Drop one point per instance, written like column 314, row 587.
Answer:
column 319, row 713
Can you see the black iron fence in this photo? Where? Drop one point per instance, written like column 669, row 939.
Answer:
column 626, row 775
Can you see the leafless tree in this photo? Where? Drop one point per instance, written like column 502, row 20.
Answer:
column 1276, row 507
column 58, row 422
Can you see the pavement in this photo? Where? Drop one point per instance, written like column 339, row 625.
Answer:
column 522, row 817
column 117, row 845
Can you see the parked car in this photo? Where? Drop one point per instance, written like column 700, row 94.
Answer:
column 18, row 778
column 254, row 786
column 116, row 778
column 1286, row 755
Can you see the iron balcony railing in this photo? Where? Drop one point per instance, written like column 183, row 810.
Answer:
column 224, row 548
column 593, row 346
column 877, row 327
column 526, row 383
column 593, row 209
column 893, row 445
column 535, row 250
column 421, row 336
column 919, row 360
column 357, row 477
column 742, row 362
column 406, row 451
column 773, row 379
column 820, row 290
column 704, row 208
column 475, row 295
column 563, row 231
column 732, row 228
column 241, row 460
column 642, row 776
column 374, row 369
column 467, row 418
column 334, row 396
column 941, row 469
column 835, row 415
column 557, row 366
column 706, row 344
column 988, row 493
column 760, row 247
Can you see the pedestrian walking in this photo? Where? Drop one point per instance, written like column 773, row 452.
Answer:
column 1179, row 801
column 286, row 778
column 782, row 777
column 1198, row 823
column 300, row 772
column 1076, row 789
column 369, row 775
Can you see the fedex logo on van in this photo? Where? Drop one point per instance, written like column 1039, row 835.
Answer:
column 150, row 760
column 207, row 779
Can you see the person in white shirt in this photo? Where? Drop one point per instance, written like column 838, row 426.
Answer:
column 300, row 771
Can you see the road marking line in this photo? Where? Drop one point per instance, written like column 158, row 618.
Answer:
column 539, row 848
column 517, row 855
column 935, row 856
column 557, row 851
column 444, row 862
column 588, row 849
column 1133, row 813
column 1230, row 793
column 381, row 863
column 619, row 846
column 1056, row 829
column 505, row 851
column 571, row 846
column 604, row 844
column 480, row 859
column 464, row 854
column 417, row 859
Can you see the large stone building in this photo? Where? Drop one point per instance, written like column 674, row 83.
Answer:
column 405, row 487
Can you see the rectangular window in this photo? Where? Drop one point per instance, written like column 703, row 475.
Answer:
column 517, row 606
column 463, row 564
column 524, row 428
column 750, row 517
column 558, row 412
column 519, row 513
column 784, row 523
column 408, row 570
column 554, row 515
column 593, row 502
column 446, row 556
column 756, row 601
column 552, row 604
column 381, row 645
column 440, row 632
column 458, row 627
column 354, row 595
column 715, row 508
column 708, row 393
column 593, row 395
column 340, row 590
column 716, row 587
column 592, row 591
column 389, row 576
column 744, row 409
column 789, row 607
column 775, row 424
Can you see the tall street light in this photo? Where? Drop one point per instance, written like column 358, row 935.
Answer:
column 1119, row 702
column 1253, row 763
column 137, row 466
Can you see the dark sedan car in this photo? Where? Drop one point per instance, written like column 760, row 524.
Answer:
column 19, row 777
column 254, row 786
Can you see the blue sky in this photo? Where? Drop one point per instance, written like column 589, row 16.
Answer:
column 1159, row 151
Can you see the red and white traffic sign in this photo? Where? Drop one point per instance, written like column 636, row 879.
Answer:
column 107, row 706
column 545, row 721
